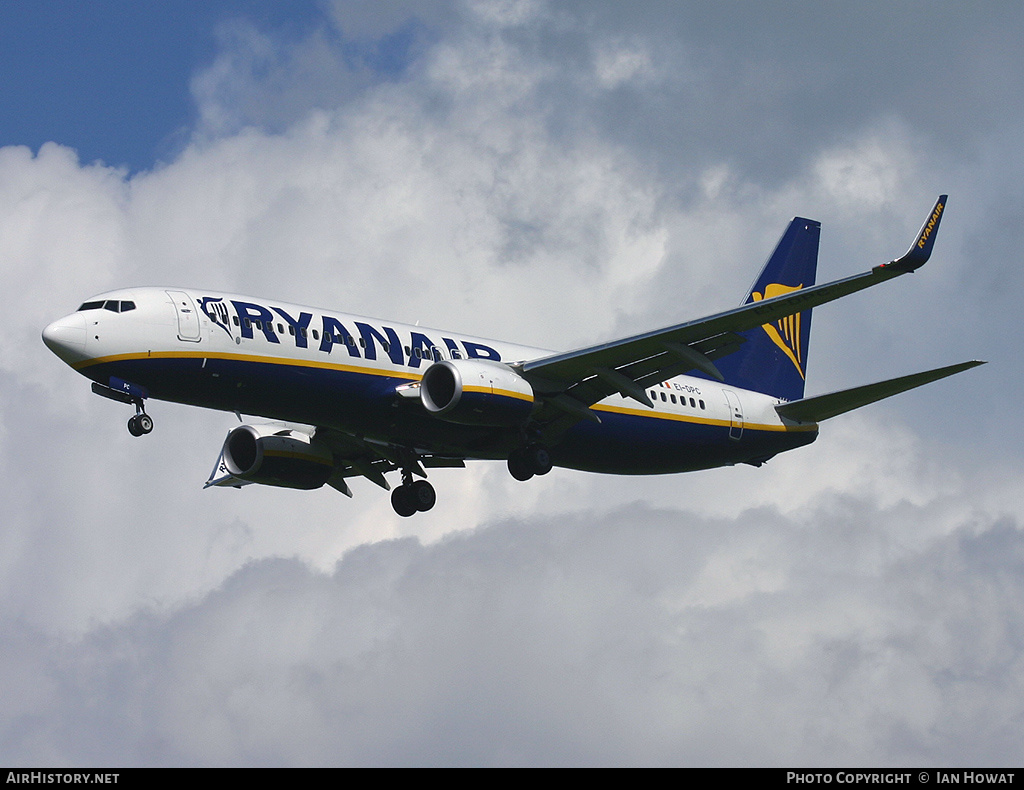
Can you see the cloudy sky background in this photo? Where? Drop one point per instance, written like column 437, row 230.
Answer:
column 555, row 173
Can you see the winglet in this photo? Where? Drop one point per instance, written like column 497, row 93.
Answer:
column 921, row 249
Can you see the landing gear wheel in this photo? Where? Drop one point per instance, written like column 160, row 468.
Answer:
column 534, row 459
column 538, row 458
column 140, row 424
column 402, row 502
column 519, row 467
column 422, row 494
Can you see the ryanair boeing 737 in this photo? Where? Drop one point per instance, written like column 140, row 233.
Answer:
column 350, row 396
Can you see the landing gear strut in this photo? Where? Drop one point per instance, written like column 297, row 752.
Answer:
column 412, row 497
column 141, row 423
column 524, row 463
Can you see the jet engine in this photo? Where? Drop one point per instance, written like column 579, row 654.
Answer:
column 276, row 456
column 476, row 392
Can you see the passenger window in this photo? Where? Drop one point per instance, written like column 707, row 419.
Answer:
column 673, row 397
column 693, row 403
column 280, row 329
column 303, row 330
column 291, row 329
column 702, row 404
column 235, row 319
column 248, row 324
column 316, row 335
column 663, row 398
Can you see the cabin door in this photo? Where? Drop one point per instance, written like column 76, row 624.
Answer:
column 188, row 317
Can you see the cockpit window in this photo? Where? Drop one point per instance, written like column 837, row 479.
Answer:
column 113, row 305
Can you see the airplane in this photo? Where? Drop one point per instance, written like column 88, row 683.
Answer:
column 348, row 396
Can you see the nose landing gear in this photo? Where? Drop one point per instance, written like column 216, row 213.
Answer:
column 140, row 424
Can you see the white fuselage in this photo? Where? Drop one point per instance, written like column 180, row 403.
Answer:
column 319, row 367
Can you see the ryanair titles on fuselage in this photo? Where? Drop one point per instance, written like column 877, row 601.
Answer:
column 363, row 343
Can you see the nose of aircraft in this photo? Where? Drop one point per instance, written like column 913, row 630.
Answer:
column 65, row 337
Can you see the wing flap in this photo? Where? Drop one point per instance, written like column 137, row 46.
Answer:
column 822, row 407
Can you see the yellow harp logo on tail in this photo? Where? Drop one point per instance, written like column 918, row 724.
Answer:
column 785, row 333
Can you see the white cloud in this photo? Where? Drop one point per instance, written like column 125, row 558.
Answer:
column 638, row 636
column 856, row 601
column 622, row 63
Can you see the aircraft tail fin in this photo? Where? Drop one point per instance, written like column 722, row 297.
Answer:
column 822, row 407
column 773, row 356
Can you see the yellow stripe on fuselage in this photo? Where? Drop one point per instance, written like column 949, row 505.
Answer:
column 506, row 393
column 301, row 363
column 416, row 376
column 660, row 415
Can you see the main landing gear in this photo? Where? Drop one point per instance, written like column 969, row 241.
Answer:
column 418, row 496
column 524, row 463
column 411, row 498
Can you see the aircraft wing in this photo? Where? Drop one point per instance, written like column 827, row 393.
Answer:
column 576, row 380
column 355, row 456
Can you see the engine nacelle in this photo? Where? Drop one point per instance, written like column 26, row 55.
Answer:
column 276, row 456
column 476, row 392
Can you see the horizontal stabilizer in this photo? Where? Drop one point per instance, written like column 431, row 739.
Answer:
column 822, row 407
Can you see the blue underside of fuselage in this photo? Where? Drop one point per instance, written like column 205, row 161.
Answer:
column 367, row 405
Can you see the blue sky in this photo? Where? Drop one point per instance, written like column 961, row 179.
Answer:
column 556, row 173
column 111, row 79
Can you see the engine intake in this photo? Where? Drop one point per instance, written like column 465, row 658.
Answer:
column 277, row 457
column 476, row 392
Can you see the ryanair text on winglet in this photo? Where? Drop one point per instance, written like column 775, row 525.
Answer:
column 930, row 225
